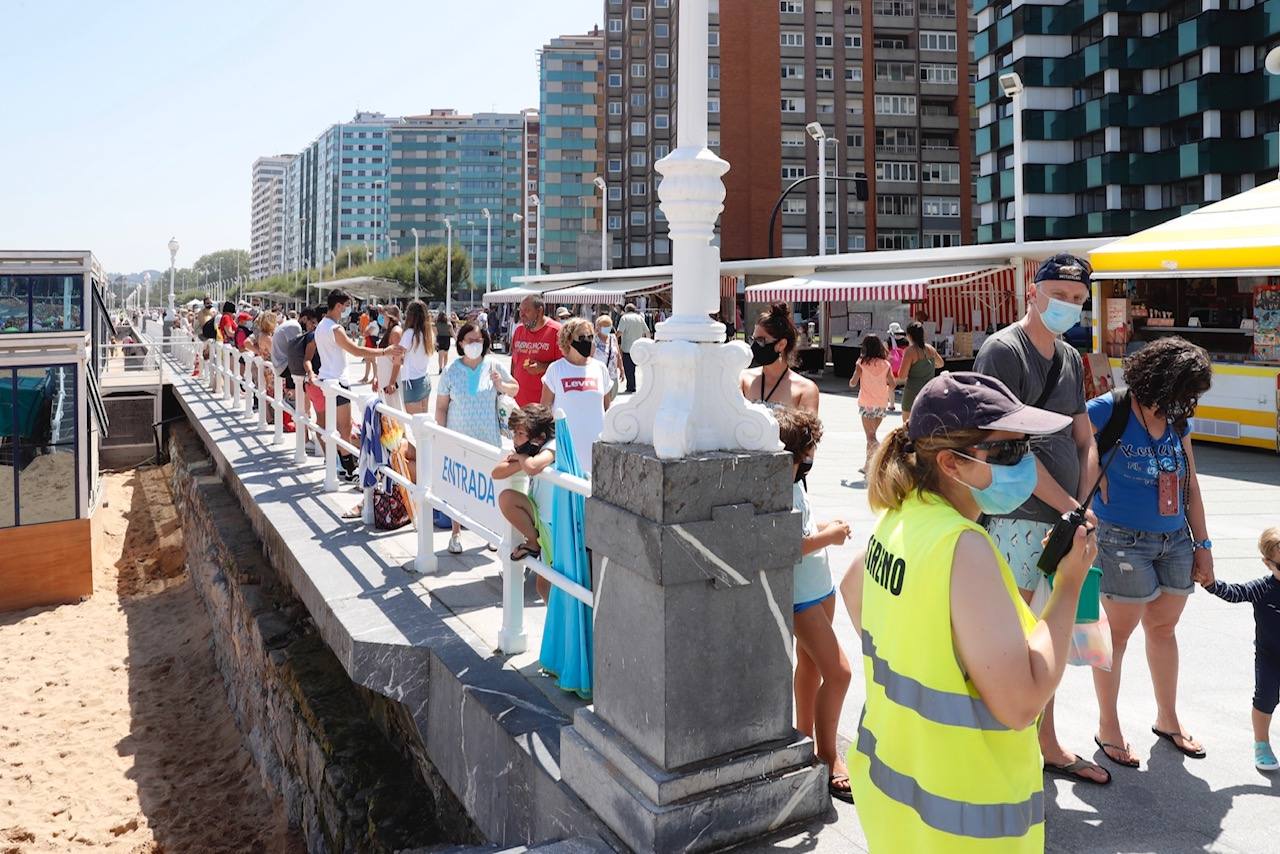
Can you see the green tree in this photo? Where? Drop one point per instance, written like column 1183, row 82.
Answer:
column 223, row 263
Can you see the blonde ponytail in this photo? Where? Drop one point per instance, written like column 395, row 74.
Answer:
column 902, row 465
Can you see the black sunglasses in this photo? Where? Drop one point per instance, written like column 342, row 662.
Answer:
column 1004, row 452
column 763, row 342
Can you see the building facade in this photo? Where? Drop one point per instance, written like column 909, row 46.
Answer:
column 448, row 165
column 1133, row 112
column 887, row 80
column 266, row 228
column 570, row 74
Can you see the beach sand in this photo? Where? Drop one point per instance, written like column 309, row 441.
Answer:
column 114, row 728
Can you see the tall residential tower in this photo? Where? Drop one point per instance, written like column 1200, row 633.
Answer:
column 266, row 228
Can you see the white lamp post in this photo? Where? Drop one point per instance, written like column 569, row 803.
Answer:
column 1272, row 62
column 1011, row 84
column 604, row 222
column 146, row 293
column 820, row 136
column 835, row 189
column 415, row 263
column 537, row 206
column 488, row 250
column 448, row 269
column 173, row 255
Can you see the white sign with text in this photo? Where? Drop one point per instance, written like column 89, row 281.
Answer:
column 461, row 476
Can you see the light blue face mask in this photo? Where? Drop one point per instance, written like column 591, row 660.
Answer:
column 1061, row 316
column 1010, row 487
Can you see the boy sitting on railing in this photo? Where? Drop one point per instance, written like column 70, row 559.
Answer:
column 526, row 504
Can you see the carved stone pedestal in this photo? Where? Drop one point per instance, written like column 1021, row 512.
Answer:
column 690, row 746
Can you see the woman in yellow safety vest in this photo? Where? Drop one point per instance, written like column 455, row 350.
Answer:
column 957, row 669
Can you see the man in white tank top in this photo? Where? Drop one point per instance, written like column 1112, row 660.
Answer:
column 332, row 343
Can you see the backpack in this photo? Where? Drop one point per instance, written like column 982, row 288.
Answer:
column 297, row 353
column 209, row 331
column 1121, row 411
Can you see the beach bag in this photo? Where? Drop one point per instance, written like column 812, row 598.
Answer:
column 389, row 511
column 440, row 521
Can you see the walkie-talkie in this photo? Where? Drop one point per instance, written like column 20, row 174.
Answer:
column 1064, row 530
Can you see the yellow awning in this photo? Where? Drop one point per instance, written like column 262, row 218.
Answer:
column 1238, row 236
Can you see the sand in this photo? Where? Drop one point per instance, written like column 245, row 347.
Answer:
column 114, row 729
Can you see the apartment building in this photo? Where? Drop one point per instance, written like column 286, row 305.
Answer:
column 570, row 75
column 266, row 223
column 888, row 81
column 1133, row 112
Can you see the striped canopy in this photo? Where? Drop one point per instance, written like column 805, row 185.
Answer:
column 901, row 284
column 1236, row 236
column 607, row 291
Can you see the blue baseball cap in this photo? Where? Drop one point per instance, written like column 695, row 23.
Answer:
column 1065, row 267
column 965, row 400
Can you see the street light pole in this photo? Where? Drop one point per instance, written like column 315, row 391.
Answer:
column 415, row 263
column 1272, row 65
column 820, row 137
column 1011, row 84
column 146, row 293
column 173, row 255
column 537, row 205
column 488, row 250
column 835, row 189
column 604, row 221
column 448, row 269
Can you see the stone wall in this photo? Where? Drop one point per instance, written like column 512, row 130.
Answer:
column 341, row 758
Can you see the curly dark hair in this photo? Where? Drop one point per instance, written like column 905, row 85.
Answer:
column 535, row 419
column 799, row 430
column 872, row 348
column 1169, row 375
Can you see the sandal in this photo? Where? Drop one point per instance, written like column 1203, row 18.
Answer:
column 526, row 550
column 356, row 512
column 838, row 787
column 1072, row 771
column 1107, row 748
column 1172, row 738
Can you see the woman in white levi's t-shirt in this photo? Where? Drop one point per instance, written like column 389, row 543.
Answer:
column 412, row 370
column 579, row 386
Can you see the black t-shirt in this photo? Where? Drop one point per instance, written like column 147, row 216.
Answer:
column 298, row 353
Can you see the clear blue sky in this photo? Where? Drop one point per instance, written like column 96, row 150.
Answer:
column 129, row 121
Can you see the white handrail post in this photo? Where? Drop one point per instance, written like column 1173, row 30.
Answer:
column 261, row 365
column 231, row 389
column 277, row 435
column 512, row 639
column 246, row 371
column 300, row 420
column 425, row 560
column 329, row 432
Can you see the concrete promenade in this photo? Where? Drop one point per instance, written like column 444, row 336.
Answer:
column 1171, row 804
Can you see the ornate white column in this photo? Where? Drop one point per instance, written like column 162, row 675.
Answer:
column 688, row 398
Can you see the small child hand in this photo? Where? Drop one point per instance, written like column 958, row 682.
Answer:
column 838, row 530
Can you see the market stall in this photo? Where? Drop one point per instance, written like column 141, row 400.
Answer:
column 1213, row 277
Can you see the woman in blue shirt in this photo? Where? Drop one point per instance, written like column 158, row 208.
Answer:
column 1151, row 530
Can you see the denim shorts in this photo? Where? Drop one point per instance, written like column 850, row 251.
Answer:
column 1020, row 542
column 1137, row 566
column 417, row 390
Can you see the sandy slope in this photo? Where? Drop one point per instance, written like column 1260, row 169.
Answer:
column 114, row 731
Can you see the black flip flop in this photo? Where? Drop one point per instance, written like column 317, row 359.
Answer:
column 1102, row 745
column 839, row 794
column 524, row 550
column 1172, row 738
column 1072, row 771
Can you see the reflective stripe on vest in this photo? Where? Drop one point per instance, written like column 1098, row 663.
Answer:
column 944, row 707
column 959, row 818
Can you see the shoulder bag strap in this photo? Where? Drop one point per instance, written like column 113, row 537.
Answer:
column 1051, row 381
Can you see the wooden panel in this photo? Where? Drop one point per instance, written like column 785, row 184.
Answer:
column 48, row 564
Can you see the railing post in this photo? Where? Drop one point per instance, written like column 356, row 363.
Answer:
column 425, row 560
column 300, row 420
column 261, row 365
column 330, row 431
column 230, row 389
column 512, row 639
column 245, row 365
column 277, row 435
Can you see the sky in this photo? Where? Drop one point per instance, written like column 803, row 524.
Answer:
column 124, row 123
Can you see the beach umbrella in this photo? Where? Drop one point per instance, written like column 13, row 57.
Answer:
column 566, row 636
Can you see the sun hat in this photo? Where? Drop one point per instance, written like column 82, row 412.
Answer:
column 964, row 401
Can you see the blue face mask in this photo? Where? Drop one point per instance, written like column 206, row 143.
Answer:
column 1010, row 487
column 1061, row 316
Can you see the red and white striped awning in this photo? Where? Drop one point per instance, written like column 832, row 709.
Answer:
column 729, row 286
column 607, row 291
column 901, row 285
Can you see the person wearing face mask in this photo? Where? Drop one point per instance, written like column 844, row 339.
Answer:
column 956, row 668
column 578, row 385
column 534, row 346
column 605, row 350
column 1043, row 370
column 770, row 379
column 822, row 671
column 1152, row 538
column 467, row 396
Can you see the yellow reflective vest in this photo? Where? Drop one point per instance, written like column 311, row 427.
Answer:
column 932, row 769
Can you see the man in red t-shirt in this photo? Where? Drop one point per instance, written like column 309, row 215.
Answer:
column 534, row 346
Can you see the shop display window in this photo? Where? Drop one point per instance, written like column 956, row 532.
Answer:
column 39, row 449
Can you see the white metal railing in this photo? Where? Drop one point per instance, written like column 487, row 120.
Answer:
column 239, row 379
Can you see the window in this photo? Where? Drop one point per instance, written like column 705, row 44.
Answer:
column 822, row 7
column 948, row 206
column 892, row 170
column 661, row 30
column 793, row 105
column 896, row 204
column 639, row 69
column 42, row 436
column 1095, row 144
column 615, row 194
column 615, row 222
column 1180, row 72
column 895, row 105
column 890, row 42
column 713, row 105
column 853, row 41
column 853, row 73
column 794, row 206
column 637, row 100
column 638, row 13
column 639, row 249
column 792, row 173
column 639, row 188
column 940, row 173
column 661, row 246
column 938, row 239
column 615, row 81
column 854, row 139
column 615, row 52
column 824, row 40
column 895, row 70
column 615, row 25
column 615, row 164
column 661, row 121
column 825, row 105
column 858, row 242
column 793, row 137
column 823, row 72
column 937, row 8
column 661, row 90
column 938, row 40
column 791, row 7
column 42, row 303
column 639, row 217
column 789, row 38
column 938, row 72
column 639, row 128
column 662, row 60
column 639, row 159
column 660, row 151
column 895, row 140
column 900, row 8
column 795, row 240
column 1190, row 129
column 793, row 72
column 713, row 38
column 895, row 238
column 615, row 108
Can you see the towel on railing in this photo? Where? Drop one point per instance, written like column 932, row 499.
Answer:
column 372, row 451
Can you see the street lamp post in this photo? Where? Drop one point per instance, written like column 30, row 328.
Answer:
column 604, row 221
column 537, row 205
column 173, row 255
column 1272, row 65
column 146, row 294
column 448, row 268
column 415, row 263
column 835, row 189
column 820, row 137
column 1011, row 84
column 488, row 250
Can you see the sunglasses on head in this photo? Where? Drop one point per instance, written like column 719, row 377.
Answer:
column 1004, row 452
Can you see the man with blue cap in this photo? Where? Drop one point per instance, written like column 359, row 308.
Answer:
column 1046, row 372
